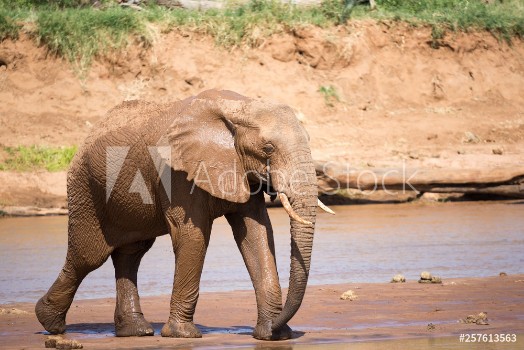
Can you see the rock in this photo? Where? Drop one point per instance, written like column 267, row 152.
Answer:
column 440, row 197
column 431, row 197
column 12, row 311
column 436, row 279
column 195, row 81
column 470, row 137
column 503, row 274
column 431, row 327
column 349, row 295
column 425, row 275
column 498, row 151
column 413, row 155
column 480, row 319
column 398, row 279
column 32, row 211
column 67, row 344
column 50, row 342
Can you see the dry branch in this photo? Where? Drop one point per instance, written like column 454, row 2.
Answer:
column 507, row 182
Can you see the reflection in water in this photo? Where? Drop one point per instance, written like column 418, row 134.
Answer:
column 368, row 243
column 103, row 330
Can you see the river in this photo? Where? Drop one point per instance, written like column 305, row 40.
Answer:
column 362, row 243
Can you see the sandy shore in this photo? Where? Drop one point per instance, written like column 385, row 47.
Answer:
column 419, row 314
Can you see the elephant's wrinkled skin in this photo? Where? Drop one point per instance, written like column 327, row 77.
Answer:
column 118, row 204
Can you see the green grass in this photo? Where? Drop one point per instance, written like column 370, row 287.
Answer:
column 504, row 19
column 9, row 26
column 24, row 158
column 74, row 30
column 330, row 95
column 247, row 24
column 82, row 34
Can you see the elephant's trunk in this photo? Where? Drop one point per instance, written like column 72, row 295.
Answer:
column 303, row 204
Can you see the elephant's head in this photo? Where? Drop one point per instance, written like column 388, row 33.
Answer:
column 229, row 145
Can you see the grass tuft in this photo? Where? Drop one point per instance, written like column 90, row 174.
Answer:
column 330, row 95
column 504, row 19
column 23, row 158
column 9, row 28
column 82, row 34
column 250, row 23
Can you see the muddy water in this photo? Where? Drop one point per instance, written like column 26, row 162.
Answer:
column 368, row 243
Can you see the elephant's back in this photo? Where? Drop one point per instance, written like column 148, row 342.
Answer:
column 125, row 125
column 132, row 116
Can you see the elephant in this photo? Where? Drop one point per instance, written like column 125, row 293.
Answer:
column 152, row 169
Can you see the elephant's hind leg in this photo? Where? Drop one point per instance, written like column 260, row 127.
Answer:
column 129, row 319
column 86, row 252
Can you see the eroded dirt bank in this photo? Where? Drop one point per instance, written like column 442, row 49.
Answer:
column 381, row 311
column 396, row 100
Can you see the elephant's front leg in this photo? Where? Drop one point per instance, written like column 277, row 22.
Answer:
column 190, row 243
column 254, row 236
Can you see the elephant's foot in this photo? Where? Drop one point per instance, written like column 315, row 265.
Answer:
column 52, row 320
column 132, row 325
column 263, row 332
column 175, row 329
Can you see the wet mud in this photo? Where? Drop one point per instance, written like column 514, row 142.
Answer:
column 385, row 315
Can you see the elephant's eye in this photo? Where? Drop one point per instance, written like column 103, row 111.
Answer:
column 268, row 148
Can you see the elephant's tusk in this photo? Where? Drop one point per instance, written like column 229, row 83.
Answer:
column 325, row 208
column 290, row 211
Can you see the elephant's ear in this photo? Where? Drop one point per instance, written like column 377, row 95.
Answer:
column 203, row 145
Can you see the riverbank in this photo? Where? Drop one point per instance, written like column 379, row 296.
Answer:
column 382, row 311
column 372, row 95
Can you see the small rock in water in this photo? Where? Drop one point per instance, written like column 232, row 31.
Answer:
column 436, row 279
column 480, row 319
column 503, row 274
column 349, row 295
column 398, row 279
column 425, row 277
